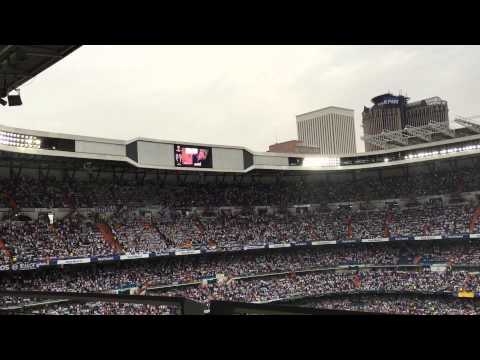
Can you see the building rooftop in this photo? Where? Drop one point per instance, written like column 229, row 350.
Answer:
column 332, row 108
column 436, row 100
column 381, row 98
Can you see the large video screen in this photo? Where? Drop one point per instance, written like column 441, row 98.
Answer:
column 191, row 156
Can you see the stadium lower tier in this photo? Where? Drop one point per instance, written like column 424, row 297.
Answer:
column 261, row 276
column 406, row 285
column 98, row 308
column 129, row 232
column 401, row 304
column 321, row 283
column 186, row 269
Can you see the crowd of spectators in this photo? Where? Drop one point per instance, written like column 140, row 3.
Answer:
column 117, row 205
column 102, row 308
column 400, row 304
column 185, row 270
column 427, row 220
column 321, row 283
column 280, row 288
column 78, row 235
column 136, row 234
column 56, row 193
column 236, row 231
column 39, row 240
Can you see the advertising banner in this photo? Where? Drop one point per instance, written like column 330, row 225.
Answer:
column 438, row 267
column 347, row 241
column 187, row 252
column 401, row 238
column 25, row 266
column 108, row 258
column 458, row 237
column 329, row 242
column 134, row 256
column 251, row 247
column 274, row 246
column 299, row 244
column 429, row 237
column 375, row 240
column 73, row 261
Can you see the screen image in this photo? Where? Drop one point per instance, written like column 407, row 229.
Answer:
column 190, row 156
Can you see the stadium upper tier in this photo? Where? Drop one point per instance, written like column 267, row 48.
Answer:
column 170, row 155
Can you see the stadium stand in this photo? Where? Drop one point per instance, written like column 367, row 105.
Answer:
column 95, row 225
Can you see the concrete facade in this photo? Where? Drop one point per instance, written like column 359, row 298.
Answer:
column 331, row 130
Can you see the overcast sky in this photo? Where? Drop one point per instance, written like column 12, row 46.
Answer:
column 234, row 95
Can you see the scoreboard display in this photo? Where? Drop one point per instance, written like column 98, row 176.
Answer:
column 192, row 156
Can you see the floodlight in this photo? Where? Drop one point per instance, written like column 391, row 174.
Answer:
column 15, row 100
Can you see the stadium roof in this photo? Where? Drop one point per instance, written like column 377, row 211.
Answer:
column 20, row 63
column 38, row 146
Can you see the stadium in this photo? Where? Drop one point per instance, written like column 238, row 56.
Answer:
column 95, row 226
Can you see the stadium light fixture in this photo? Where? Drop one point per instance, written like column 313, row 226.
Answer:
column 15, row 100
column 442, row 152
column 19, row 140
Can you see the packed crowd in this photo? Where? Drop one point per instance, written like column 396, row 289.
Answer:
column 39, row 240
column 400, row 304
column 95, row 193
column 431, row 220
column 101, row 308
column 136, row 234
column 314, row 284
column 185, row 270
column 174, row 270
column 188, row 269
column 79, row 235
column 281, row 288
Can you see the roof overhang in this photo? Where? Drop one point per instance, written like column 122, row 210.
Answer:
column 20, row 63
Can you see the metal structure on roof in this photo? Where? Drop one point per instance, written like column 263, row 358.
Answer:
column 468, row 123
column 422, row 132
column 412, row 135
column 20, row 63
column 436, row 100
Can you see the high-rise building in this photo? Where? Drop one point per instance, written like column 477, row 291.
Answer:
column 330, row 130
column 391, row 113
